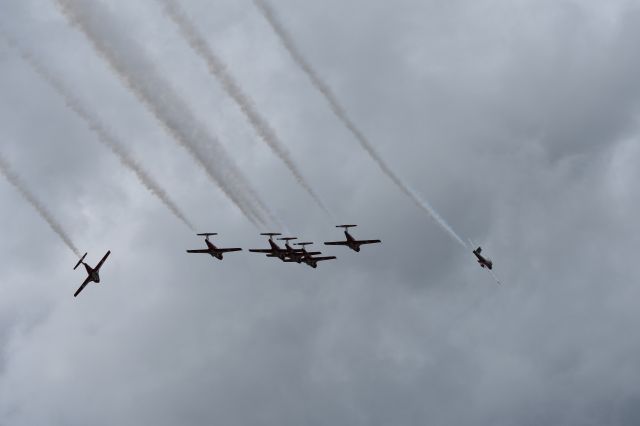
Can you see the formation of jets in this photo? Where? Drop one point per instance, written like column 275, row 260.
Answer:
column 290, row 254
column 286, row 253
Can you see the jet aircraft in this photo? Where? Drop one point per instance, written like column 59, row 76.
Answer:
column 294, row 255
column 211, row 249
column 93, row 274
column 308, row 256
column 483, row 261
column 275, row 250
column 351, row 242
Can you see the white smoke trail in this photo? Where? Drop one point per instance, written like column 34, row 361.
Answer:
column 13, row 178
column 104, row 135
column 287, row 41
column 219, row 69
column 136, row 71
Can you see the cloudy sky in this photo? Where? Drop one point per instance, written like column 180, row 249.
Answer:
column 517, row 120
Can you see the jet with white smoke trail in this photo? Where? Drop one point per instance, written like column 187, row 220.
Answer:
column 137, row 72
column 340, row 112
column 105, row 136
column 219, row 69
column 13, row 178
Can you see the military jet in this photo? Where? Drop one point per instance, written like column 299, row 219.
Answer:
column 211, row 249
column 351, row 242
column 308, row 256
column 483, row 261
column 296, row 255
column 93, row 274
column 275, row 250
column 293, row 255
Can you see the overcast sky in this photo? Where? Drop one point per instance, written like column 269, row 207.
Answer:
column 516, row 119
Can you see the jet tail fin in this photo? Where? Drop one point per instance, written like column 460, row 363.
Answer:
column 79, row 262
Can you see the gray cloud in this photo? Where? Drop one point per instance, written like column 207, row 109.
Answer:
column 517, row 119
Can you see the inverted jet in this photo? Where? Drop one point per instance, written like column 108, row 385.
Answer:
column 483, row 261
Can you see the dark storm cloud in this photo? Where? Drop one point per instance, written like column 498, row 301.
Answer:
column 518, row 120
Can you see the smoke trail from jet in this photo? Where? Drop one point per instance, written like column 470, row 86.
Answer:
column 287, row 41
column 219, row 69
column 136, row 71
column 13, row 178
column 104, row 134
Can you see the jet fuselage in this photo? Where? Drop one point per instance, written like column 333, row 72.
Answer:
column 93, row 273
column 483, row 261
column 213, row 250
column 351, row 242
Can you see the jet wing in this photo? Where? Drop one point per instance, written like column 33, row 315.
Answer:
column 320, row 259
column 84, row 284
column 99, row 265
column 368, row 242
column 229, row 250
column 337, row 243
column 198, row 251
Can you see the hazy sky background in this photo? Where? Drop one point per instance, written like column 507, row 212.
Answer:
column 517, row 120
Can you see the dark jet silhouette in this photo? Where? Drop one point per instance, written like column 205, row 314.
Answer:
column 351, row 242
column 308, row 256
column 483, row 261
column 293, row 255
column 275, row 250
column 93, row 274
column 211, row 249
